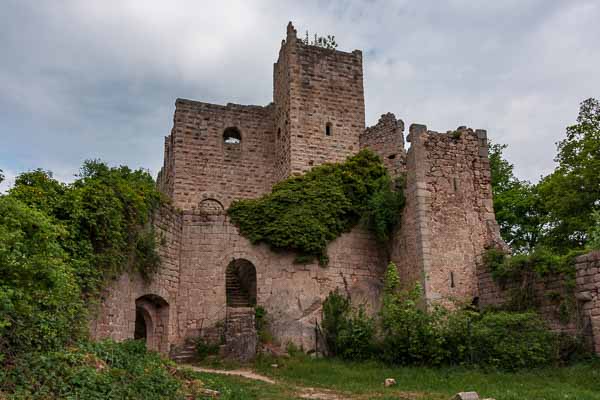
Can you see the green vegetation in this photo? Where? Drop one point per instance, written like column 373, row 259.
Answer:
column 58, row 246
column 326, row 42
column 408, row 334
column 364, row 380
column 558, row 212
column 305, row 213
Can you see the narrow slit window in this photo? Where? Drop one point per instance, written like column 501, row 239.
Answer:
column 452, row 279
column 455, row 184
column 328, row 129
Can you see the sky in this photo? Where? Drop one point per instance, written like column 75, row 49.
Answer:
column 98, row 79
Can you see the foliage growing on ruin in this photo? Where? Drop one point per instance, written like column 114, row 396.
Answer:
column 59, row 243
column 305, row 213
column 520, row 273
column 106, row 214
column 326, row 42
column 408, row 333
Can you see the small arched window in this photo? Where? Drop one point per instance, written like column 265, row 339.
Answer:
column 232, row 135
column 328, row 129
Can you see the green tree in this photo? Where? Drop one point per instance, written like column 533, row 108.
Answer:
column 1, row 176
column 40, row 303
column 516, row 203
column 572, row 192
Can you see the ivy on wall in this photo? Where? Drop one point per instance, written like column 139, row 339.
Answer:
column 520, row 273
column 305, row 213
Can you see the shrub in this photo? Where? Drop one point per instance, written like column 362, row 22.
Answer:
column 510, row 340
column 205, row 349
column 105, row 370
column 305, row 213
column 335, row 310
column 355, row 339
column 262, row 325
column 40, row 303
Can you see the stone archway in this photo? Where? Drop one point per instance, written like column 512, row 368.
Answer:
column 240, row 283
column 152, row 322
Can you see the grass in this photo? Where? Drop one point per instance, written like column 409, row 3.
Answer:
column 580, row 382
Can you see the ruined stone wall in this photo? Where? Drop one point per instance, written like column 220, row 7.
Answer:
column 583, row 300
column 386, row 138
column 291, row 293
column 449, row 218
column 205, row 168
column 547, row 295
column 116, row 314
column 325, row 87
column 588, row 296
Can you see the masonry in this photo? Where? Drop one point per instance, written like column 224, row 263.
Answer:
column 211, row 275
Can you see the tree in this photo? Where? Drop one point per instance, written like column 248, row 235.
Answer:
column 1, row 176
column 572, row 192
column 516, row 203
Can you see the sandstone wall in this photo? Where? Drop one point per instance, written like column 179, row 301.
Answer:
column 200, row 167
column 588, row 296
column 386, row 138
column 325, row 87
column 291, row 293
column 548, row 295
column 584, row 316
column 115, row 316
column 449, row 218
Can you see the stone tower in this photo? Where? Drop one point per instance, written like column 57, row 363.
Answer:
column 319, row 105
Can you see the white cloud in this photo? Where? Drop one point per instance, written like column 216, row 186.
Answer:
column 99, row 78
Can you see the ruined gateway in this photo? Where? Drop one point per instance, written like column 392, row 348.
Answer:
column 211, row 276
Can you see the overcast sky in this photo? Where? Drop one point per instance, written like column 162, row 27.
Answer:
column 98, row 79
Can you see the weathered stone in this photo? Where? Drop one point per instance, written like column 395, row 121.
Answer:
column 389, row 382
column 466, row 396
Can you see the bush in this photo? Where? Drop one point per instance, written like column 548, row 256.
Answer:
column 40, row 303
column 510, row 340
column 262, row 325
column 305, row 213
column 348, row 333
column 412, row 333
column 105, row 370
column 205, row 349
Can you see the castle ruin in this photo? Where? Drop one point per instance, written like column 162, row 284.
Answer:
column 211, row 276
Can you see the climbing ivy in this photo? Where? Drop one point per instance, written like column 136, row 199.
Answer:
column 305, row 213
column 520, row 273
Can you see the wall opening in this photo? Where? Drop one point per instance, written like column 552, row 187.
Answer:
column 278, row 133
column 232, row 135
column 328, row 129
column 240, row 283
column 152, row 322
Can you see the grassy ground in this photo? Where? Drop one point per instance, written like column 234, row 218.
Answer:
column 365, row 381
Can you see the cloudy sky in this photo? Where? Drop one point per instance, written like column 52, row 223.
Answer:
column 98, row 79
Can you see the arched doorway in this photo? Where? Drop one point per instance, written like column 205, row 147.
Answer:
column 152, row 322
column 240, row 278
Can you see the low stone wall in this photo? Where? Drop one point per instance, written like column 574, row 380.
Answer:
column 588, row 296
column 551, row 291
column 548, row 294
column 240, row 334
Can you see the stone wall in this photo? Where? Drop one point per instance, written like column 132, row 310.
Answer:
column 584, row 315
column 548, row 293
column 588, row 296
column 449, row 219
column 324, row 87
column 386, row 138
column 201, row 167
column 116, row 315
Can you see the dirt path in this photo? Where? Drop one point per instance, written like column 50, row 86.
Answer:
column 302, row 392
column 236, row 372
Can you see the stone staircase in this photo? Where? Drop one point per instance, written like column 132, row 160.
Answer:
column 236, row 295
column 185, row 353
